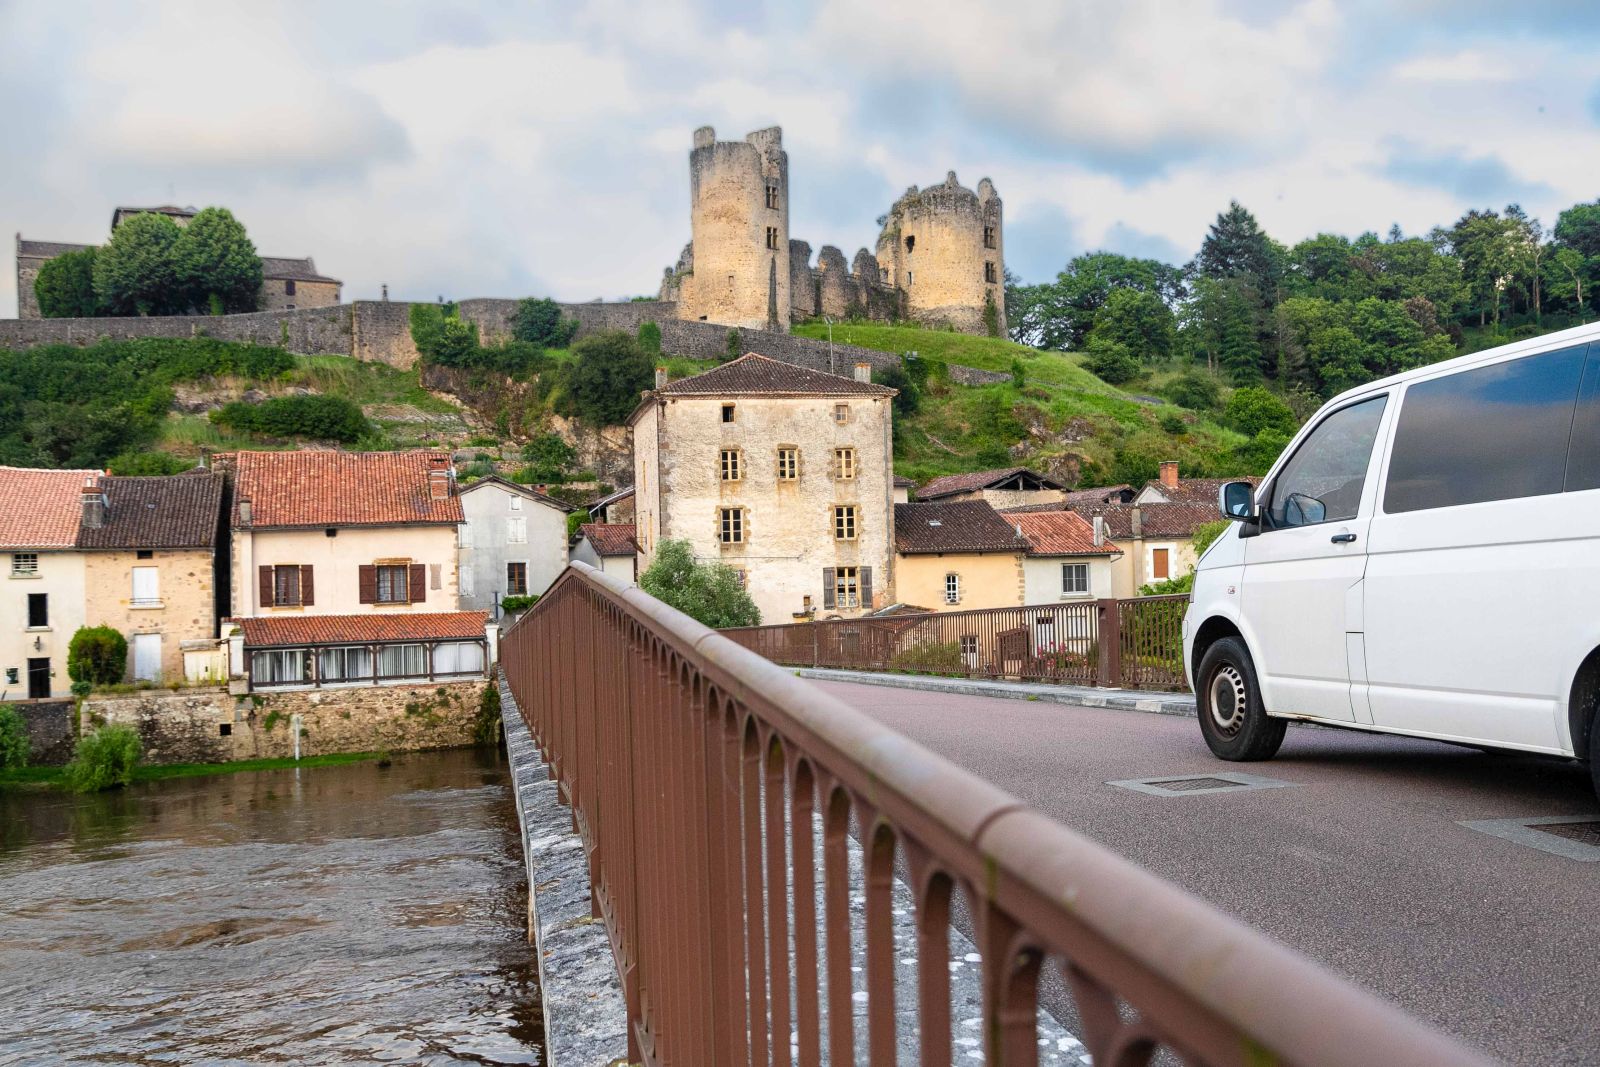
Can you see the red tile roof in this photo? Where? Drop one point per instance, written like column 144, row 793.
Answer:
column 376, row 628
column 961, row 526
column 305, row 488
column 615, row 539
column 40, row 508
column 951, row 484
column 1157, row 520
column 756, row 375
column 1060, row 533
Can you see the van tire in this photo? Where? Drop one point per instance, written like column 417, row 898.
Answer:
column 1233, row 719
column 1594, row 754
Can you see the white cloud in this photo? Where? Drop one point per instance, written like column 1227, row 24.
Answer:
column 1467, row 65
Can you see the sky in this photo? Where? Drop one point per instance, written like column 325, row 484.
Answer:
column 511, row 149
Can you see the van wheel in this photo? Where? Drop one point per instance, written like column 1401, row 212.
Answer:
column 1232, row 718
column 1594, row 755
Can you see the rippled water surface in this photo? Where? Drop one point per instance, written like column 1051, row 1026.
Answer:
column 355, row 914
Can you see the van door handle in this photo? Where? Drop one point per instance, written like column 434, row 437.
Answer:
column 1342, row 538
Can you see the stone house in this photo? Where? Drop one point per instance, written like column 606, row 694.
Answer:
column 513, row 542
column 1004, row 488
column 608, row 547
column 155, row 568
column 614, row 508
column 1068, row 558
column 43, row 576
column 781, row 472
column 957, row 556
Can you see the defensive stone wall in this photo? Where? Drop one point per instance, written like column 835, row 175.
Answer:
column 307, row 330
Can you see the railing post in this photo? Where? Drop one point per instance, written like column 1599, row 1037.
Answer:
column 816, row 645
column 1108, row 639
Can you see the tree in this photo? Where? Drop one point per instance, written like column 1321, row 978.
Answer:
column 216, row 264
column 1110, row 361
column 97, row 655
column 65, row 286
column 709, row 593
column 442, row 337
column 1236, row 247
column 539, row 322
column 650, row 338
column 1139, row 320
column 1568, row 269
column 548, row 457
column 1224, row 327
column 136, row 272
column 1194, row 389
column 735, row 346
column 1060, row 314
column 1252, row 410
column 608, row 373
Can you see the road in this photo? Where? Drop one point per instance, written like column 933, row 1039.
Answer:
column 1361, row 863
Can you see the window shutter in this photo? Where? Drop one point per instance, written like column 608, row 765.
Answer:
column 367, row 580
column 266, row 586
column 306, row 597
column 827, row 587
column 417, row 583
column 866, row 588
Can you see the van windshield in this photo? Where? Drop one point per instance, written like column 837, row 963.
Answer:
column 1322, row 481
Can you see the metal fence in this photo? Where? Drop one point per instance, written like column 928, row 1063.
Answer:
column 701, row 777
column 1044, row 643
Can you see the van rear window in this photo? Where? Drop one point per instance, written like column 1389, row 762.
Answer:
column 1494, row 433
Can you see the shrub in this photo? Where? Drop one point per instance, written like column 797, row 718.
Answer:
column 1195, row 390
column 576, row 519
column 97, row 655
column 735, row 346
column 539, row 322
column 486, row 727
column 707, row 592
column 13, row 739
column 511, row 605
column 1110, row 361
column 991, row 315
column 1252, row 409
column 650, row 338
column 1019, row 374
column 548, row 457
column 148, row 464
column 1173, row 423
column 932, row 659
column 104, row 759
column 323, row 418
column 607, row 374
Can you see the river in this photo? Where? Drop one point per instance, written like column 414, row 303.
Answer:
column 349, row 914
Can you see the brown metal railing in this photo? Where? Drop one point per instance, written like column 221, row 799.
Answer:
column 701, row 776
column 1044, row 643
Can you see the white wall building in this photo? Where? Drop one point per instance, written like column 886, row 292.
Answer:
column 513, row 542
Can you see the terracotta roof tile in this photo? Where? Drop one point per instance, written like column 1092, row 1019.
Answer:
column 1060, row 533
column 304, row 488
column 375, row 628
column 1157, row 520
column 177, row 512
column 951, row 484
column 963, row 526
column 40, row 508
column 756, row 375
column 615, row 539
column 1195, row 490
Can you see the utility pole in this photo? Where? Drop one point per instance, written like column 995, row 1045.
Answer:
column 831, row 369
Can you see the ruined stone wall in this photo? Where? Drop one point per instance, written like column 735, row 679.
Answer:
column 942, row 246
column 306, row 330
column 211, row 726
column 382, row 333
column 739, row 219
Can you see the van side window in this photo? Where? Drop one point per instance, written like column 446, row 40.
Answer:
column 1491, row 433
column 1323, row 479
column 1583, row 454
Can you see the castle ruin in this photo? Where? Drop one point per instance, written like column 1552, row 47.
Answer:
column 939, row 257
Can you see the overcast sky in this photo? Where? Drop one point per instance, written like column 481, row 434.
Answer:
column 540, row 148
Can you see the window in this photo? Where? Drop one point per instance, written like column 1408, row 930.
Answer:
column 516, row 579
column 516, row 503
column 516, row 529
column 844, row 463
column 346, row 663
column 464, row 536
column 38, row 610
column 394, row 584
column 458, row 657
column 402, row 661
column 26, row 563
column 730, row 464
column 1492, row 433
column 844, row 522
column 1074, row 578
column 146, row 586
column 1160, row 564
column 730, row 525
column 989, row 273
column 988, row 237
column 1322, row 480
column 727, row 413
column 285, row 586
column 772, row 237
column 952, row 589
column 467, row 584
column 908, row 277
column 911, row 245
column 289, row 666
column 288, row 307
column 288, row 287
column 145, row 553
column 969, row 649
column 847, row 587
column 772, row 197
column 841, row 413
column 788, row 464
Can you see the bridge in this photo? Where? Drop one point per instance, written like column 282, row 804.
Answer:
column 721, row 800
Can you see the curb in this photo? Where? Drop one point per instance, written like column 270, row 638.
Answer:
column 1078, row 696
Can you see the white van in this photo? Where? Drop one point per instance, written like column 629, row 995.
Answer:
column 1423, row 559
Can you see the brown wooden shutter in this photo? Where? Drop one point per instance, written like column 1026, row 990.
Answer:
column 306, row 588
column 827, row 587
column 866, row 588
column 417, row 584
column 367, row 580
column 266, row 586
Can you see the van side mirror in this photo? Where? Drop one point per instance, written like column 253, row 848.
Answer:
column 1237, row 500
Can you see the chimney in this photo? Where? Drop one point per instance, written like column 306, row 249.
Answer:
column 441, row 477
column 94, row 504
column 1136, row 524
column 1169, row 473
column 385, row 292
column 661, row 377
column 244, row 513
column 863, row 371
column 1099, row 530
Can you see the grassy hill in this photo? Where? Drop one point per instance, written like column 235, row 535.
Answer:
column 1059, row 418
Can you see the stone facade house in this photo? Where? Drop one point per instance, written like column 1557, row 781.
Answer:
column 1069, row 558
column 957, row 556
column 781, row 472
column 41, row 579
column 513, row 543
column 608, row 547
column 1003, row 488
column 614, row 508
column 154, row 556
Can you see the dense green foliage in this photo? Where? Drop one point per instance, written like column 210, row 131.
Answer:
column 319, row 418
column 1110, row 361
column 104, row 759
column 97, row 655
column 486, row 725
column 445, row 339
column 512, row 605
column 707, row 592
column 65, row 286
column 539, row 323
column 1252, row 410
column 548, row 458
column 13, row 738
column 607, row 374
column 147, row 464
column 650, row 338
column 576, row 519
column 216, row 265
column 152, row 266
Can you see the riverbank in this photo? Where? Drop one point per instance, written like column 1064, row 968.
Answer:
column 53, row 778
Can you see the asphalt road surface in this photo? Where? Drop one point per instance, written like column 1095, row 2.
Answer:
column 1361, row 863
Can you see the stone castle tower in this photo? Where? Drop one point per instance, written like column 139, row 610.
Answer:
column 736, row 268
column 942, row 247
